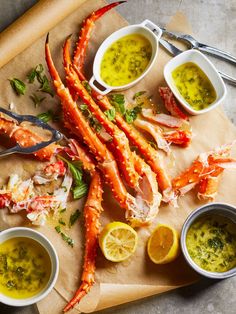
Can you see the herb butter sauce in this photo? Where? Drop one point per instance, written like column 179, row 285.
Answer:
column 194, row 85
column 125, row 60
column 25, row 267
column 211, row 243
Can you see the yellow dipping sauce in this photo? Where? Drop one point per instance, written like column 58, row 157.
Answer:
column 125, row 60
column 211, row 243
column 25, row 268
column 194, row 85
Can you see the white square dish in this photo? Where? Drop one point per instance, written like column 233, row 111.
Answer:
column 207, row 67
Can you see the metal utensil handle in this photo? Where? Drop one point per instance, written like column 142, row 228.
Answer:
column 217, row 52
column 228, row 78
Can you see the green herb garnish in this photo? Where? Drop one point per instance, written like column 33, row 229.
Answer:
column 61, row 222
column 46, row 116
column 45, row 87
column 138, row 94
column 131, row 114
column 58, row 229
column 110, row 113
column 80, row 191
column 36, row 72
column 67, row 239
column 93, row 122
column 118, row 101
column 87, row 86
column 36, row 99
column 62, row 210
column 74, row 217
column 18, row 86
column 80, row 188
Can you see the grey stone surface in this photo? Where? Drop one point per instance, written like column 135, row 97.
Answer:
column 214, row 22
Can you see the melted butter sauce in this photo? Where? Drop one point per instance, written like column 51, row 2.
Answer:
column 211, row 243
column 25, row 267
column 194, row 85
column 125, row 60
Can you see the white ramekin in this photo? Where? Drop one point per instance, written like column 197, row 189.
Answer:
column 41, row 239
column 149, row 30
column 207, row 67
column 222, row 209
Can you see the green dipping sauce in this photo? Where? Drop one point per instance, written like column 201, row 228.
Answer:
column 125, row 60
column 194, row 86
column 211, row 243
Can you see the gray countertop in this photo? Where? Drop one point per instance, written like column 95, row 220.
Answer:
column 214, row 22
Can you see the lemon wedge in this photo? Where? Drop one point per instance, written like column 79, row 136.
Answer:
column 163, row 245
column 118, row 241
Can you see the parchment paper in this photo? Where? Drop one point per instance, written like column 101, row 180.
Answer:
column 138, row 277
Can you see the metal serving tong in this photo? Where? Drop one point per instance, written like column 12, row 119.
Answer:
column 55, row 135
column 192, row 43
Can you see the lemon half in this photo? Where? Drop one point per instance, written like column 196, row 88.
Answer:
column 118, row 241
column 163, row 245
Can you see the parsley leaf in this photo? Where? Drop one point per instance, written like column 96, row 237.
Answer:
column 35, row 73
column 18, row 86
column 118, row 101
column 58, row 229
column 110, row 113
column 93, row 122
column 45, row 87
column 131, row 114
column 87, row 86
column 46, row 116
column 67, row 239
column 36, row 99
column 138, row 94
column 61, row 222
column 74, row 217
column 80, row 191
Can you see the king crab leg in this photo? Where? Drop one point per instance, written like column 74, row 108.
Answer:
column 85, row 32
column 25, row 138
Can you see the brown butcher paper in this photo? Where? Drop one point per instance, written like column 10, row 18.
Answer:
column 138, row 277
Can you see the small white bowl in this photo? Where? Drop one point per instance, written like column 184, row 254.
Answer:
column 149, row 30
column 207, row 67
column 41, row 239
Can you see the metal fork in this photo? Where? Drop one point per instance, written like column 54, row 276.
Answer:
column 55, row 135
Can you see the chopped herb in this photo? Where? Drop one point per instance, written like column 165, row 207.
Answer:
column 118, row 101
column 62, row 210
column 45, row 87
column 80, row 191
column 36, row 72
column 61, row 222
column 131, row 114
column 67, row 239
column 80, row 188
column 58, row 229
column 87, row 86
column 75, row 170
column 74, row 217
column 136, row 95
column 93, row 122
column 18, row 86
column 83, row 107
column 46, row 116
column 110, row 113
column 36, row 99
column 215, row 243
